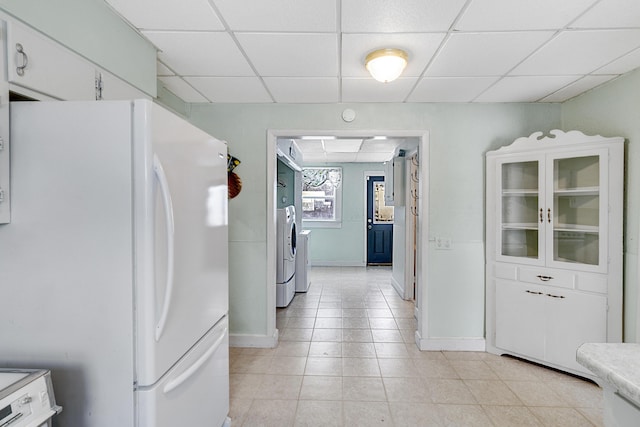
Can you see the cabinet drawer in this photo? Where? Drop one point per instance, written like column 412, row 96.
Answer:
column 592, row 283
column 540, row 276
column 505, row 271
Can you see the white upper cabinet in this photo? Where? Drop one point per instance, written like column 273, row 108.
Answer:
column 112, row 88
column 554, row 246
column 37, row 63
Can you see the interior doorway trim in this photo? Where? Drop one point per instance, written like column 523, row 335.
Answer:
column 423, row 222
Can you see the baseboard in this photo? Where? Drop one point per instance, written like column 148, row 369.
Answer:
column 398, row 287
column 259, row 341
column 450, row 344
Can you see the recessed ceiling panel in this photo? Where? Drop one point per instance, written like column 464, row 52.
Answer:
column 231, row 89
column 577, row 88
column 504, row 15
column 398, row 16
column 450, row 89
column 303, row 90
column 611, row 14
column 279, row 15
column 182, row 89
column 370, row 90
column 311, row 158
column 200, row 53
column 579, row 52
column 310, row 146
column 342, row 157
column 168, row 14
column 373, row 157
column 629, row 62
column 375, row 146
column 524, row 89
column 419, row 47
column 292, row 55
column 485, row 54
column 163, row 70
column 342, row 145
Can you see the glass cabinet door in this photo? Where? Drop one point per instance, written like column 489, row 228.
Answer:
column 519, row 209
column 577, row 210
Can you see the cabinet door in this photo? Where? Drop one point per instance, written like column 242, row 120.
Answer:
column 115, row 89
column 576, row 210
column 37, row 63
column 519, row 215
column 520, row 323
column 573, row 319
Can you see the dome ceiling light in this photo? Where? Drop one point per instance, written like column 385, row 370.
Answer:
column 386, row 65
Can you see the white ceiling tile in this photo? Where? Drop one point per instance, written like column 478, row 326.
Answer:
column 373, row 157
column 231, row 89
column 450, row 89
column 505, row 15
column 611, row 14
column 182, row 89
column 629, row 62
column 576, row 88
column 524, row 89
column 310, row 146
column 200, row 53
column 485, row 54
column 370, row 90
column 579, row 52
column 168, row 14
column 419, row 47
column 341, row 157
column 303, row 89
column 298, row 55
column 279, row 15
column 163, row 70
column 398, row 16
column 375, row 146
column 342, row 145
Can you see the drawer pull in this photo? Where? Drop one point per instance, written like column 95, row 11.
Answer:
column 541, row 216
column 544, row 278
column 25, row 60
column 534, row 293
column 549, row 215
column 555, row 296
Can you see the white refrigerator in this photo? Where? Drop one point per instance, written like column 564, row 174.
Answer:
column 113, row 269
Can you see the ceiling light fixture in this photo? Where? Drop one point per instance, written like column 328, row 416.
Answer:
column 386, row 65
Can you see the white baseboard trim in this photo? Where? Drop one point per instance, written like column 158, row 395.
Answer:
column 338, row 264
column 259, row 341
column 450, row 344
column 398, row 287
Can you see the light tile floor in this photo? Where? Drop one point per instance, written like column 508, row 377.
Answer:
column 347, row 357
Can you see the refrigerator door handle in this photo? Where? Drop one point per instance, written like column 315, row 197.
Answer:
column 168, row 210
column 177, row 381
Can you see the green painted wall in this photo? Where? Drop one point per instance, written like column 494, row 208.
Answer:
column 460, row 134
column 286, row 184
column 344, row 246
column 93, row 30
column 614, row 110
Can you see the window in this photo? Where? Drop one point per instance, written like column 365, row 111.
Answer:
column 322, row 196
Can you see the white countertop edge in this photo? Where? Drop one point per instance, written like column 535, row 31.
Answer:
column 618, row 364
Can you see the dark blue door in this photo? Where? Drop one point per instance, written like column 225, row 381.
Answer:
column 379, row 224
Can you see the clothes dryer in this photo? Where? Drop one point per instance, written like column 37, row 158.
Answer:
column 285, row 256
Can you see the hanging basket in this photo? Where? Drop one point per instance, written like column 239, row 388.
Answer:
column 235, row 184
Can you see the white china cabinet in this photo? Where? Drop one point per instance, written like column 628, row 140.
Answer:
column 554, row 246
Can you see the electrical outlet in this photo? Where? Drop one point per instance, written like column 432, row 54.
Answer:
column 443, row 243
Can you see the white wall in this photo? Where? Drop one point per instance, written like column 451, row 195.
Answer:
column 614, row 110
column 460, row 134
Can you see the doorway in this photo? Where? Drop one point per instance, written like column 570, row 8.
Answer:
column 379, row 223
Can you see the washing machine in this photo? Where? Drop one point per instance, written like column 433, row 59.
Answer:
column 285, row 256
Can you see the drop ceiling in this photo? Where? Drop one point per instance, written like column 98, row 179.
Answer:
column 312, row 51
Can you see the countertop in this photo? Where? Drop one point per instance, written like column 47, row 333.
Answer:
column 616, row 364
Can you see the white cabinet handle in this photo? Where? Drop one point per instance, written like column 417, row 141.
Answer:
column 25, row 60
